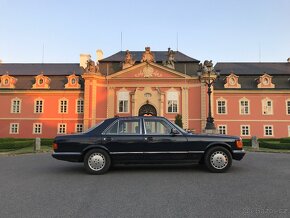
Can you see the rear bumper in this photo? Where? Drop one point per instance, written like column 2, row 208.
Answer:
column 68, row 156
column 238, row 154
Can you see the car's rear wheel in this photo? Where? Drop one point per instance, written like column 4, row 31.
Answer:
column 218, row 159
column 97, row 161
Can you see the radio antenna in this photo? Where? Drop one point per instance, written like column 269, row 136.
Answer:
column 177, row 41
column 42, row 52
column 121, row 41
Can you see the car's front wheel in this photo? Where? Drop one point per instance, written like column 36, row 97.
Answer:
column 218, row 159
column 97, row 161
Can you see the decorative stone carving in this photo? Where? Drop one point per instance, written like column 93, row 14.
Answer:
column 92, row 67
column 7, row 81
column 147, row 55
column 170, row 59
column 265, row 81
column 148, row 72
column 232, row 81
column 128, row 62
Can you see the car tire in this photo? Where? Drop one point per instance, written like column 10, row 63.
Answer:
column 218, row 159
column 97, row 161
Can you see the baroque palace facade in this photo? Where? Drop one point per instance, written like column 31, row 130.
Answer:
column 44, row 100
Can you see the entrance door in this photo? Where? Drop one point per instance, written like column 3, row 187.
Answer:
column 147, row 110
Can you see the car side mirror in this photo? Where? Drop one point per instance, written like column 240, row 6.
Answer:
column 174, row 131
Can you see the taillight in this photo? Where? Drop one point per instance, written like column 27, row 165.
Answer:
column 239, row 143
column 54, row 146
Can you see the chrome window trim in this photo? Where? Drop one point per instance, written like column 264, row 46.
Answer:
column 67, row 153
column 159, row 152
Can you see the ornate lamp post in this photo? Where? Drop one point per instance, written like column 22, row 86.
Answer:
column 208, row 75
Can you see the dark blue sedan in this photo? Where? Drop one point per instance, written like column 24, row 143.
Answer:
column 146, row 140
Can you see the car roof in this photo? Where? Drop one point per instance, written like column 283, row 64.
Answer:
column 151, row 117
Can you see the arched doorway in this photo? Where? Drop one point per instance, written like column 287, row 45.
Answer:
column 147, row 110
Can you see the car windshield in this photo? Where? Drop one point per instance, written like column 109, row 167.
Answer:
column 92, row 128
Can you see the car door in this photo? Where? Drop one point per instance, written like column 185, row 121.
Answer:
column 161, row 144
column 124, row 140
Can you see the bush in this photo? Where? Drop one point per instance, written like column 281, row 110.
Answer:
column 178, row 120
column 285, row 140
column 18, row 143
column 247, row 142
column 15, row 145
column 275, row 145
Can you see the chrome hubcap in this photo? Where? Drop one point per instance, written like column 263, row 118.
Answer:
column 96, row 161
column 219, row 160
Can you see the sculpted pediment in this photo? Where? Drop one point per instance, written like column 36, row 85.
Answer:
column 148, row 70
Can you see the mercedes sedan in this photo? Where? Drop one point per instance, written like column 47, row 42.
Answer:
column 146, row 140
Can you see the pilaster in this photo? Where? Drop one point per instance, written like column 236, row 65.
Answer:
column 185, row 107
column 110, row 102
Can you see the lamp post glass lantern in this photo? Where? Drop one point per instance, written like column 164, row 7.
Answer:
column 208, row 75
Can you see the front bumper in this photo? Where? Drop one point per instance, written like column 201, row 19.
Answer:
column 238, row 154
column 68, row 156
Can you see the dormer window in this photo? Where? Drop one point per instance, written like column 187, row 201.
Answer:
column 232, row 81
column 7, row 82
column 265, row 81
column 41, row 82
column 72, row 82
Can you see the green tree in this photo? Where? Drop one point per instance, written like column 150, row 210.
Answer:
column 178, row 120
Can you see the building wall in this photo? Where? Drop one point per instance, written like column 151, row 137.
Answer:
column 279, row 119
column 49, row 118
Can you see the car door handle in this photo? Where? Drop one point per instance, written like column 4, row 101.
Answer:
column 107, row 139
column 148, row 139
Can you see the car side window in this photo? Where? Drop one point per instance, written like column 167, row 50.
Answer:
column 129, row 127
column 113, row 129
column 156, row 127
column 125, row 127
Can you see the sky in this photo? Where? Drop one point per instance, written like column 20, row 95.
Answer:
column 53, row 31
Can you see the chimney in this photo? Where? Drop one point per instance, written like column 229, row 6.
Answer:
column 83, row 60
column 100, row 55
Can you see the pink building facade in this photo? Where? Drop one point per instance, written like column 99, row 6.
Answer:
column 45, row 100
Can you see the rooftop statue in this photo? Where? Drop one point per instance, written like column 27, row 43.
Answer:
column 207, row 66
column 128, row 62
column 147, row 55
column 92, row 67
column 170, row 59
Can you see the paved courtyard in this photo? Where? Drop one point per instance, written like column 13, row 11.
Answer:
column 36, row 185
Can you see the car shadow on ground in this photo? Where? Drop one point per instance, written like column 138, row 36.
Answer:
column 78, row 168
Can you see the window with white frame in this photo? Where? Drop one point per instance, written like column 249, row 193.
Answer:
column 222, row 129
column 61, row 129
column 221, row 106
column 123, row 102
column 80, row 106
column 172, row 102
column 38, row 106
column 245, row 130
column 62, row 107
column 15, row 106
column 288, row 107
column 37, row 128
column 268, row 130
column 79, row 128
column 244, row 107
column 267, row 105
column 14, row 128
column 288, row 131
